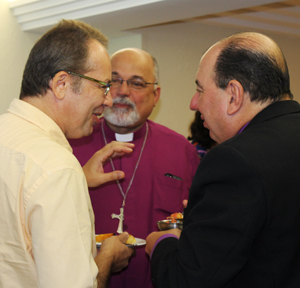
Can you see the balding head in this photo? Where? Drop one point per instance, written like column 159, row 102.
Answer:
column 137, row 54
column 134, row 90
column 237, row 78
column 257, row 62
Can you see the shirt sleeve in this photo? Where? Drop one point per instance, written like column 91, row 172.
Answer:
column 225, row 212
column 60, row 222
column 160, row 239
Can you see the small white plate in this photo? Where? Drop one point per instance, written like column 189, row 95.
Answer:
column 139, row 242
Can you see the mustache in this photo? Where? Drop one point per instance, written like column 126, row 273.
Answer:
column 126, row 101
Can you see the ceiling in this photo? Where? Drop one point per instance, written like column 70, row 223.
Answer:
column 116, row 18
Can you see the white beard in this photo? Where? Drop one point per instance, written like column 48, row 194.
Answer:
column 122, row 116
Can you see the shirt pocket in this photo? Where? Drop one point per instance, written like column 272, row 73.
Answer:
column 168, row 195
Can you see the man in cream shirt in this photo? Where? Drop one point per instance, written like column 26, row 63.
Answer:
column 46, row 219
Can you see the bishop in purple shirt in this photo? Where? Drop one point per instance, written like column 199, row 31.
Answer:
column 159, row 172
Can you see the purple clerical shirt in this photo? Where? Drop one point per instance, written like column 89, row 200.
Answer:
column 152, row 195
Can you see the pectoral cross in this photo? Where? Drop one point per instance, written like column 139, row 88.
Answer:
column 121, row 218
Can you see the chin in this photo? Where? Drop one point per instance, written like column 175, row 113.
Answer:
column 87, row 131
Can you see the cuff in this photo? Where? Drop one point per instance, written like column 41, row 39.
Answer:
column 160, row 239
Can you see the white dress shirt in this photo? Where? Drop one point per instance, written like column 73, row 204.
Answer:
column 46, row 218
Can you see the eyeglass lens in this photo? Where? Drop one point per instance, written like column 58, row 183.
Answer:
column 135, row 83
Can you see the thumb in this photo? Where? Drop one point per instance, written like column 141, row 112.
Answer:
column 123, row 237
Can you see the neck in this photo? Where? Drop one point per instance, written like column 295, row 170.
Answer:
column 47, row 105
column 244, row 115
column 124, row 129
column 250, row 111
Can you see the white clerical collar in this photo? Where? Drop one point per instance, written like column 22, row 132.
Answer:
column 124, row 137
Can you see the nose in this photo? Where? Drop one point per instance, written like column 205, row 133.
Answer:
column 194, row 102
column 108, row 100
column 123, row 89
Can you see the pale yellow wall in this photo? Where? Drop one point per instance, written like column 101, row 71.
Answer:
column 133, row 40
column 14, row 49
column 178, row 49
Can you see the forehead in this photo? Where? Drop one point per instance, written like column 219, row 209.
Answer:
column 131, row 63
column 98, row 59
column 207, row 64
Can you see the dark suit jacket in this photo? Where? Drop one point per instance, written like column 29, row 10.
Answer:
column 242, row 223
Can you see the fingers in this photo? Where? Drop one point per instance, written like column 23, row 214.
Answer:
column 105, row 177
column 114, row 149
column 121, row 252
column 113, row 255
column 123, row 238
column 133, row 252
column 95, row 178
column 93, row 169
column 184, row 203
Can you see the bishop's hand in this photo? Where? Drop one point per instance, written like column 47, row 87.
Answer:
column 93, row 169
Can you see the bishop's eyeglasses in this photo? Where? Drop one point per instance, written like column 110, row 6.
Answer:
column 104, row 85
column 133, row 83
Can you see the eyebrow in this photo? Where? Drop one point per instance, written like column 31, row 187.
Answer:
column 132, row 77
column 198, row 84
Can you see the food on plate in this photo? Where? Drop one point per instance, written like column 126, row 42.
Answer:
column 131, row 240
column 99, row 238
column 175, row 216
column 167, row 224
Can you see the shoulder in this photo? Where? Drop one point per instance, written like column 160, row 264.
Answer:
column 166, row 135
column 173, row 144
column 54, row 158
column 165, row 132
column 39, row 150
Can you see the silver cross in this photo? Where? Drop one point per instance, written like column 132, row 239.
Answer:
column 121, row 218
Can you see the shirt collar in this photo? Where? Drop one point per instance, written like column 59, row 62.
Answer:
column 34, row 115
column 243, row 128
column 110, row 134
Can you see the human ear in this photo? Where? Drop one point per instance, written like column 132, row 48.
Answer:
column 156, row 95
column 235, row 93
column 58, row 84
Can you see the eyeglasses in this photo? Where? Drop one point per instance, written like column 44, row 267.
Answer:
column 104, row 85
column 133, row 83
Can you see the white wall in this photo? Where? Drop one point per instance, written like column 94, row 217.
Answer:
column 178, row 49
column 15, row 46
column 133, row 40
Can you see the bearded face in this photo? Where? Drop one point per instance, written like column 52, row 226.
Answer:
column 122, row 116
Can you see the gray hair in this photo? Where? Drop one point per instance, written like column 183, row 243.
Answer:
column 155, row 71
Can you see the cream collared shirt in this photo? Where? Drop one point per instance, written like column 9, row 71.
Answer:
column 46, row 218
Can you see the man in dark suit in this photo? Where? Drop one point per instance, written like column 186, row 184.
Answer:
column 242, row 222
